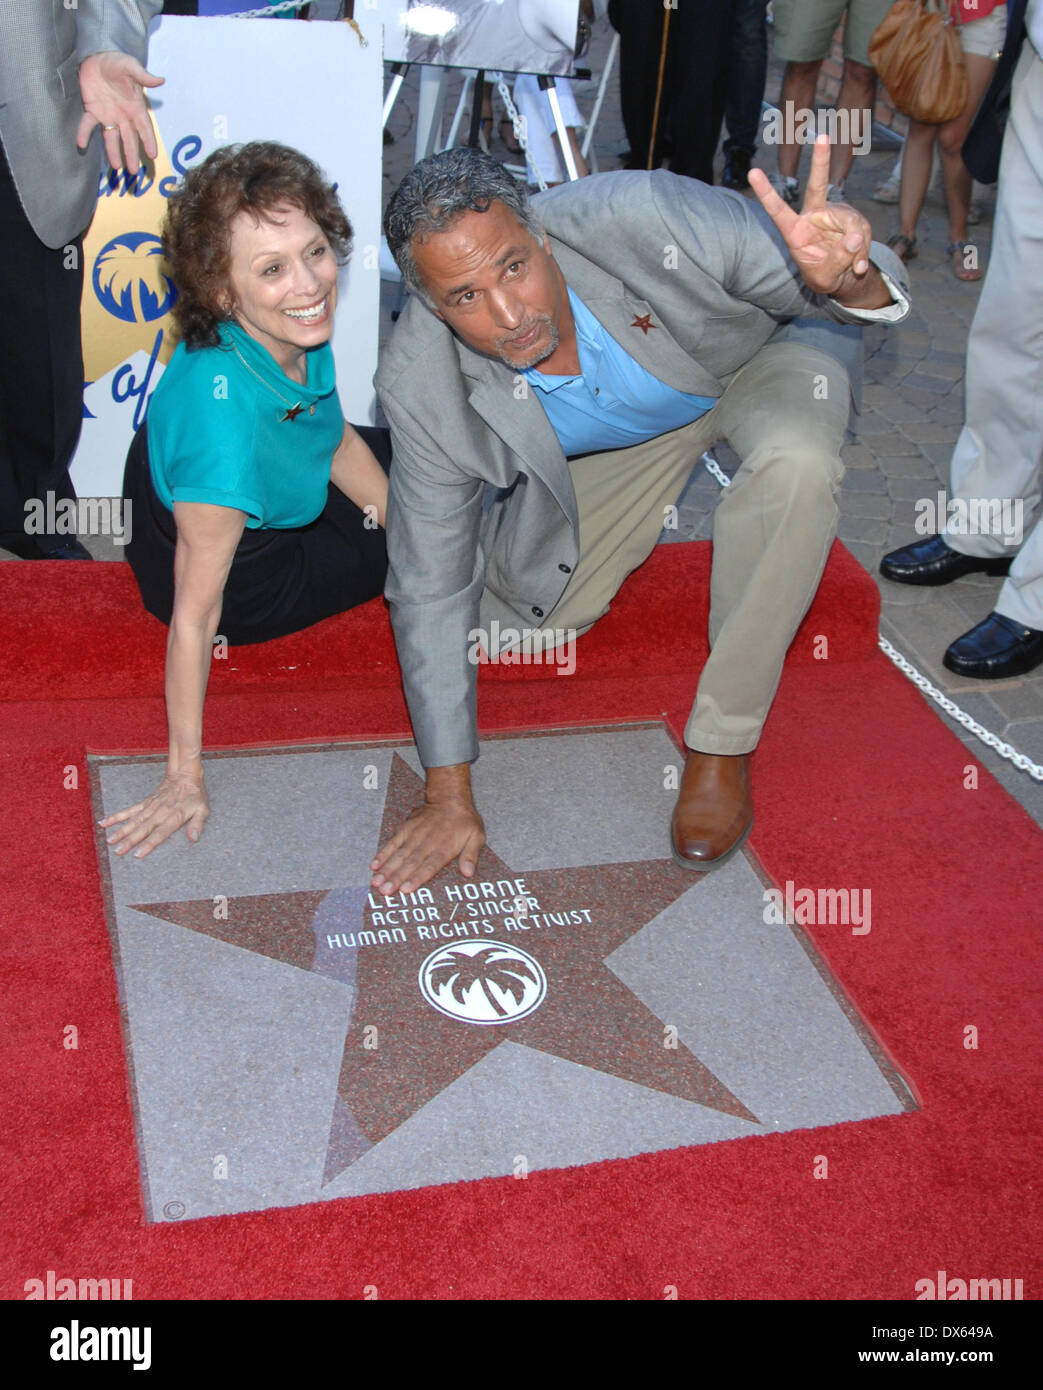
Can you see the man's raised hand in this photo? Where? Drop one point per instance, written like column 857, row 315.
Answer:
column 828, row 241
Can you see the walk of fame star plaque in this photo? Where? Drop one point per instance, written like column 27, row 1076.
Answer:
column 294, row 1037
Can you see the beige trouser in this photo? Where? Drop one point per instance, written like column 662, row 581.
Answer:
column 999, row 454
column 785, row 414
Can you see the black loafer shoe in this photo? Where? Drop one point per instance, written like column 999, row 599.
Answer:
column 737, row 167
column 997, row 647
column 931, row 561
column 71, row 550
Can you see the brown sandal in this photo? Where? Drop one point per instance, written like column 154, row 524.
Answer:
column 904, row 247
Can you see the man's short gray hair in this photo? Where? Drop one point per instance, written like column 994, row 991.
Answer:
column 442, row 188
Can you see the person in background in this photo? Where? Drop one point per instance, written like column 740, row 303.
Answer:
column 745, row 93
column 257, row 508
column 691, row 108
column 65, row 71
column 984, row 24
column 543, row 154
column 890, row 189
column 994, row 475
column 804, row 32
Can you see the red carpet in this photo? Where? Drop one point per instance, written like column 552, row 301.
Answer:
column 856, row 782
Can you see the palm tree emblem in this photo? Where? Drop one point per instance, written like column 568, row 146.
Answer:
column 483, row 982
column 128, row 278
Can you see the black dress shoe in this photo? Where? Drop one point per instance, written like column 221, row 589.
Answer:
column 71, row 550
column 997, row 647
column 931, row 561
column 736, row 168
column 32, row 550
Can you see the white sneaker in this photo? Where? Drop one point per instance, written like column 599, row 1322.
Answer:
column 786, row 187
column 835, row 193
column 889, row 190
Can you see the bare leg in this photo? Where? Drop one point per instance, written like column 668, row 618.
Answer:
column 857, row 92
column 916, row 174
column 581, row 163
column 951, row 136
column 798, row 92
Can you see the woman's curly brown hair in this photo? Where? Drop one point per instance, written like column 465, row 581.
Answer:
column 196, row 234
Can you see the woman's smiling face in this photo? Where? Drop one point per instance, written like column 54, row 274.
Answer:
column 283, row 282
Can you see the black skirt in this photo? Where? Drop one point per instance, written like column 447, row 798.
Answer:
column 281, row 580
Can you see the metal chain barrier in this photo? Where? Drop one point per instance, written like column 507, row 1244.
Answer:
column 715, row 470
column 518, row 122
column 991, row 740
column 1005, row 750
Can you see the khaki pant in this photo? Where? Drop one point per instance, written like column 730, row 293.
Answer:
column 785, row 414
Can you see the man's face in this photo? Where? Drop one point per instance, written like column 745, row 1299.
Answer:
column 495, row 285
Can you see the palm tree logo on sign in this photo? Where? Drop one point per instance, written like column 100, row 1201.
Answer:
column 483, row 982
column 129, row 281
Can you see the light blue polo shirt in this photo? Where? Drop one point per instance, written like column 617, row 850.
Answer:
column 615, row 402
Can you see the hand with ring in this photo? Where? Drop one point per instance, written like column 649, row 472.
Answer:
column 111, row 85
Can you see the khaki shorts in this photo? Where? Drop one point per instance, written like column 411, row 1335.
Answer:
column 985, row 36
column 804, row 29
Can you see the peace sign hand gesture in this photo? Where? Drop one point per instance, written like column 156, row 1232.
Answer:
column 828, row 241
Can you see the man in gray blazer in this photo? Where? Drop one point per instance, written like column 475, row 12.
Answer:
column 65, row 69
column 549, row 387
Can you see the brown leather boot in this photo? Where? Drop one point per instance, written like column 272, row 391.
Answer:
column 714, row 811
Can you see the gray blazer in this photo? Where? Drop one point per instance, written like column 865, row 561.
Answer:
column 42, row 47
column 712, row 271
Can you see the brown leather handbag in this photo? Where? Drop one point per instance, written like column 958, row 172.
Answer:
column 918, row 56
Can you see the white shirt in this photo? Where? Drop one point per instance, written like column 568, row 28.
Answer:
column 1034, row 24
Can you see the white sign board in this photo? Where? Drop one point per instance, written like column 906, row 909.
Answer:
column 309, row 85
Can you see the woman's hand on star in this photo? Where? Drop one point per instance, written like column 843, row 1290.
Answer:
column 179, row 800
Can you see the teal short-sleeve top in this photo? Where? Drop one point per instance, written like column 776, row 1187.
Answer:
column 218, row 431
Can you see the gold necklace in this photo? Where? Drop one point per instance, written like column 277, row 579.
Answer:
column 292, row 411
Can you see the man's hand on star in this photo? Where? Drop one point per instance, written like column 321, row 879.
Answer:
column 111, row 85
column 828, row 241
column 446, row 827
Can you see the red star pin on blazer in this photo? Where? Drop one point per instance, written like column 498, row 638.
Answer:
column 644, row 322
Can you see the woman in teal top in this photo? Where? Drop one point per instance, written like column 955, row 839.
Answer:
column 258, row 510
